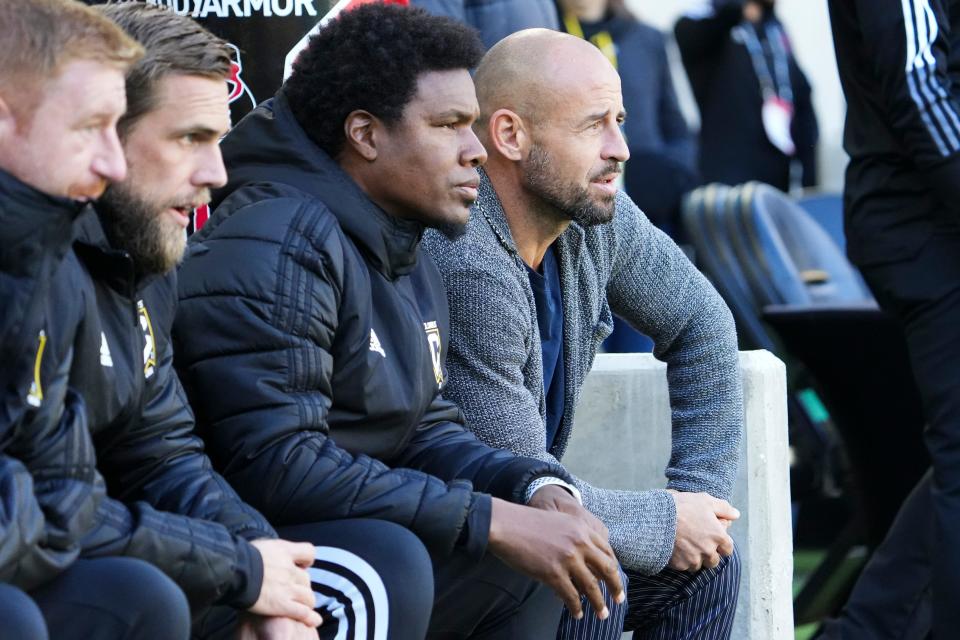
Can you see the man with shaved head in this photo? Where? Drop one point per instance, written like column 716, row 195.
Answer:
column 551, row 250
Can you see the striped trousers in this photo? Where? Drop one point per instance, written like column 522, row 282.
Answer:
column 372, row 580
column 671, row 605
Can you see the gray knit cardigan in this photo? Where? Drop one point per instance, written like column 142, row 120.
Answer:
column 628, row 267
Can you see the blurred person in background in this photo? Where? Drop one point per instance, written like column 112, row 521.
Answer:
column 898, row 63
column 756, row 115
column 495, row 19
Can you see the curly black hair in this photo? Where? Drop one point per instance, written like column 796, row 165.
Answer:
column 370, row 58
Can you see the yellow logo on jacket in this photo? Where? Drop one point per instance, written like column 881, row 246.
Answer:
column 35, row 395
column 149, row 343
column 436, row 350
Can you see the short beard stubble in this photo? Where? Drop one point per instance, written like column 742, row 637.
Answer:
column 568, row 201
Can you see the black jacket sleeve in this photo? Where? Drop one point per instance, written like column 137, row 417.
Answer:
column 49, row 491
column 158, row 465
column 203, row 558
column 444, row 447
column 915, row 89
column 178, row 476
column 49, row 486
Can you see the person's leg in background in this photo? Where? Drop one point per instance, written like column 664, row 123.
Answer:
column 924, row 295
column 113, row 598
column 589, row 627
column 681, row 605
column 891, row 599
column 20, row 616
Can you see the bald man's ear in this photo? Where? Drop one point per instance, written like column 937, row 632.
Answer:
column 8, row 121
column 508, row 135
column 360, row 128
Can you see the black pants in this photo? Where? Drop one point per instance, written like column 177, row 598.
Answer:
column 924, row 294
column 488, row 600
column 106, row 598
column 362, row 564
column 891, row 600
column 468, row 599
column 372, row 579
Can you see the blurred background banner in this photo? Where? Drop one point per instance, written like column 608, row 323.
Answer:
column 265, row 36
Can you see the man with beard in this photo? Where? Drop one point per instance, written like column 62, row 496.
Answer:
column 311, row 333
column 61, row 93
column 165, row 503
column 551, row 250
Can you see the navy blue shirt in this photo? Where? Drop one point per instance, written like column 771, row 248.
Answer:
column 549, row 303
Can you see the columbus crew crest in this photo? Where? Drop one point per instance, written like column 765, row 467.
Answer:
column 35, row 395
column 436, row 350
column 149, row 344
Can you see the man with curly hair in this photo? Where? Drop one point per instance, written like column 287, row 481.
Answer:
column 312, row 332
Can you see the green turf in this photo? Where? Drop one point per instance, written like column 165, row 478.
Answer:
column 804, row 562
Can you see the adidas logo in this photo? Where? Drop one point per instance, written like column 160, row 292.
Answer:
column 375, row 345
column 105, row 358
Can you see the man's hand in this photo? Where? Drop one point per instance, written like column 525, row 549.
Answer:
column 254, row 627
column 558, row 549
column 285, row 591
column 553, row 497
column 702, row 523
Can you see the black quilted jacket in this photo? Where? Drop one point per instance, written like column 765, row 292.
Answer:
column 166, row 505
column 49, row 487
column 311, row 337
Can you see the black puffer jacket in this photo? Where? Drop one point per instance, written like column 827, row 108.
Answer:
column 166, row 505
column 312, row 336
column 49, row 487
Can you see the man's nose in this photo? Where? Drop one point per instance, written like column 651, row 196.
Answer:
column 615, row 145
column 473, row 153
column 109, row 162
column 210, row 172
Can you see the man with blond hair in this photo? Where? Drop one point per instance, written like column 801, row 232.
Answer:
column 61, row 94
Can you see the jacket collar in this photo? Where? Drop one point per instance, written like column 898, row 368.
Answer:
column 28, row 212
column 269, row 145
column 105, row 263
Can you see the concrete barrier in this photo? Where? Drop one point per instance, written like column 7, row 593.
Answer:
column 622, row 440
